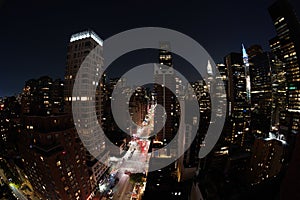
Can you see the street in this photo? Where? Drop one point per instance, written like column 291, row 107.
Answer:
column 17, row 192
column 123, row 188
column 135, row 160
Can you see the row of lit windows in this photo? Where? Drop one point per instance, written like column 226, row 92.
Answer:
column 279, row 20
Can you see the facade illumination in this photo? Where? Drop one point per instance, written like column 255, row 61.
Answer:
column 247, row 73
column 86, row 34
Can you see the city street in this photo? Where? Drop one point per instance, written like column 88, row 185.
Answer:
column 123, row 188
column 17, row 192
column 25, row 189
column 136, row 159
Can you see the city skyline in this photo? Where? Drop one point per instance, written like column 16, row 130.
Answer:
column 165, row 122
column 225, row 25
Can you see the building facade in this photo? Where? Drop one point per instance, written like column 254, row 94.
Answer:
column 238, row 99
column 164, row 74
column 287, row 27
column 51, row 151
column 85, row 50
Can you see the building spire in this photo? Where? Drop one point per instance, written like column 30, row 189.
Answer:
column 245, row 56
column 244, row 51
column 209, row 68
column 247, row 73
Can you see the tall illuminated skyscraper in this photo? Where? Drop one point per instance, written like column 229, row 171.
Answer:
column 279, row 85
column 288, row 32
column 261, row 92
column 288, row 47
column 239, row 107
column 80, row 45
column 164, row 73
column 247, row 73
column 80, row 53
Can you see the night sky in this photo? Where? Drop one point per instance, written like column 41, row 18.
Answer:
column 34, row 34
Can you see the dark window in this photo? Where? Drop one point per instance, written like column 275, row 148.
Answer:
column 88, row 44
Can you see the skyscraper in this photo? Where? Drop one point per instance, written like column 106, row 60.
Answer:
column 247, row 74
column 261, row 93
column 202, row 93
column 53, row 156
column 276, row 47
column 164, row 73
column 279, row 85
column 288, row 32
column 80, row 54
column 239, row 107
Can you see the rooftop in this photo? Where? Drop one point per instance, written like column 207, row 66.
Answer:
column 86, row 34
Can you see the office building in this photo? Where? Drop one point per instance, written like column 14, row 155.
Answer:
column 52, row 154
column 261, row 92
column 238, row 99
column 279, row 85
column 164, row 73
column 85, row 50
column 288, row 45
column 287, row 27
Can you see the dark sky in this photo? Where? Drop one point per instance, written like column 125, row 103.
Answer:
column 34, row 33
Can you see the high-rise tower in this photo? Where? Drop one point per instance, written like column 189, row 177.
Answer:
column 239, row 107
column 247, row 73
column 288, row 33
column 53, row 156
column 85, row 50
column 164, row 73
column 261, row 92
column 279, row 85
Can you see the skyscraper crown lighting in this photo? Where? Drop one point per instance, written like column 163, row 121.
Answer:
column 247, row 73
column 245, row 56
column 86, row 34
